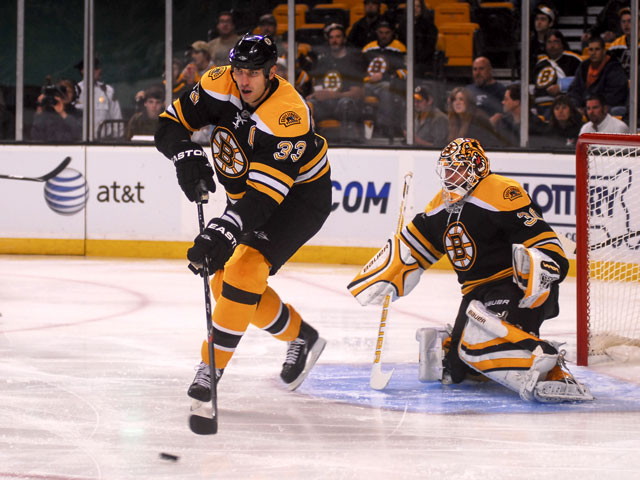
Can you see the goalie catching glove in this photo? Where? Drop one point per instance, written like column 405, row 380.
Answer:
column 193, row 167
column 216, row 243
column 392, row 271
column 534, row 272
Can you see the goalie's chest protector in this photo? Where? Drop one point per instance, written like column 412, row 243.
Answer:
column 477, row 238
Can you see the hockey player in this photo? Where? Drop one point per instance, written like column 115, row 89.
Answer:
column 276, row 175
column 509, row 263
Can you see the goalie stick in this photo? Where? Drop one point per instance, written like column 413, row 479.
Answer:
column 43, row 178
column 203, row 419
column 380, row 379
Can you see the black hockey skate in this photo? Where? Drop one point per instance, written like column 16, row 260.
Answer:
column 302, row 354
column 203, row 415
column 200, row 389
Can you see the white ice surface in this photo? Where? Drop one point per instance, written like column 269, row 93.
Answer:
column 96, row 355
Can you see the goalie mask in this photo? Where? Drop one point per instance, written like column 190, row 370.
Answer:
column 461, row 166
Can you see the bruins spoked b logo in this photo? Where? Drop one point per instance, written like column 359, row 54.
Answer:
column 460, row 248
column 228, row 157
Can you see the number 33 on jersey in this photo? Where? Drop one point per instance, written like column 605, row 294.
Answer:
column 268, row 149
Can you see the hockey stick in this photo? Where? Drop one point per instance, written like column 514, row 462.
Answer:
column 202, row 420
column 43, row 178
column 380, row 379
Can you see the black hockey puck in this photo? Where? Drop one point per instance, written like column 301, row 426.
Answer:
column 169, row 456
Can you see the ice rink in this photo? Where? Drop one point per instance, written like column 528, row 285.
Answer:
column 96, row 356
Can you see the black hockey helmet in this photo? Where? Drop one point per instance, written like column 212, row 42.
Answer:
column 254, row 52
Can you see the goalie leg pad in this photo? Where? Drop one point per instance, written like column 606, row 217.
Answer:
column 431, row 353
column 503, row 352
column 392, row 271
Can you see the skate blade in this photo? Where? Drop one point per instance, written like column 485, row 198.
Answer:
column 201, row 419
column 315, row 352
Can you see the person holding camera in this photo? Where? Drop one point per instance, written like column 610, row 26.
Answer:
column 52, row 121
column 151, row 105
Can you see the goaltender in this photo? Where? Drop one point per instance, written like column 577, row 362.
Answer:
column 276, row 175
column 509, row 263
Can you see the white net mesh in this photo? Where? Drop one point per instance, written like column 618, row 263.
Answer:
column 613, row 253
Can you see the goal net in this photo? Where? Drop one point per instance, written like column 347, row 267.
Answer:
column 608, row 247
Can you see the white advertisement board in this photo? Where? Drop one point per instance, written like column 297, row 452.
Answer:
column 39, row 209
column 131, row 193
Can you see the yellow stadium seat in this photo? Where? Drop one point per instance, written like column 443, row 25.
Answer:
column 281, row 12
column 458, row 43
column 452, row 13
column 432, row 4
column 311, row 33
column 507, row 5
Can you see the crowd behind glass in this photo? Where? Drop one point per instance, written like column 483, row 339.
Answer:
column 353, row 75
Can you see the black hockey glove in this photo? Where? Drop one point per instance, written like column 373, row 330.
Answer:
column 192, row 167
column 216, row 243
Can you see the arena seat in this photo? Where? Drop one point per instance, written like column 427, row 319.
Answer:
column 452, row 13
column 329, row 13
column 311, row 33
column 498, row 25
column 281, row 12
column 458, row 42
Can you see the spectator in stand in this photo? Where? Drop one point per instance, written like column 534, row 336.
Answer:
column 385, row 79
column 70, row 96
column 488, row 92
column 200, row 63
column 508, row 124
column 191, row 75
column 554, row 71
column 337, row 84
column 619, row 49
column 224, row 41
column 268, row 25
column 303, row 79
column 145, row 122
column 425, row 34
column 607, row 23
column 431, row 125
column 281, row 68
column 599, row 118
column 179, row 82
column 51, row 122
column 105, row 103
column 306, row 59
column 600, row 74
column 363, row 31
column 543, row 20
column 466, row 120
column 565, row 123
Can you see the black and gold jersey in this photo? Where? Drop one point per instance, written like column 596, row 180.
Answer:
column 549, row 72
column 388, row 60
column 477, row 237
column 619, row 49
column 260, row 154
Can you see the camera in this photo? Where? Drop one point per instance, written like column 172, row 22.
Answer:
column 52, row 95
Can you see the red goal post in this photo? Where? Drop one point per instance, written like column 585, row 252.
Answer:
column 607, row 245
